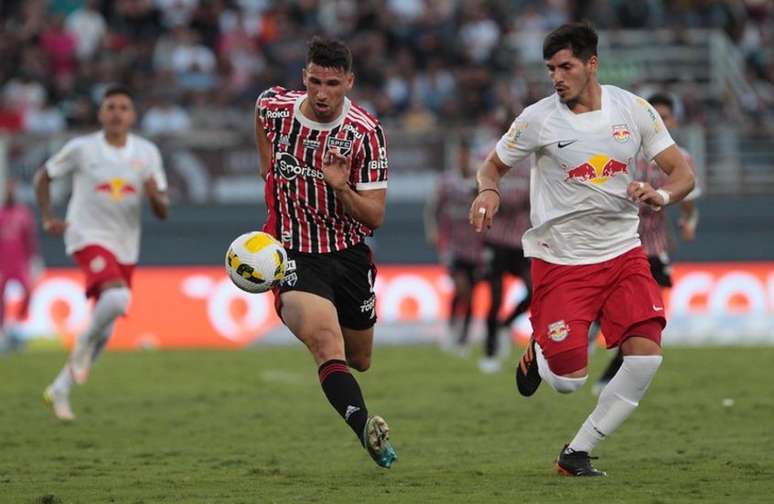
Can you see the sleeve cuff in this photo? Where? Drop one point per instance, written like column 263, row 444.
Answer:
column 370, row 186
column 659, row 147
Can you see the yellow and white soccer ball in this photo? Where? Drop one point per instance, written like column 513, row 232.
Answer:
column 256, row 262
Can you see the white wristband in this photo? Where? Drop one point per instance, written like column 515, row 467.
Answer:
column 664, row 195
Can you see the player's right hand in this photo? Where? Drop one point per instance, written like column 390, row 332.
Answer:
column 483, row 209
column 54, row 225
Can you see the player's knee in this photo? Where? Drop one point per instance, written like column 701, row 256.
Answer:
column 359, row 362
column 116, row 300
column 643, row 338
column 566, row 385
column 325, row 344
column 567, row 370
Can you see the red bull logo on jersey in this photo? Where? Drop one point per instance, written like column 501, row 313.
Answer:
column 117, row 188
column 597, row 169
column 621, row 133
column 558, row 331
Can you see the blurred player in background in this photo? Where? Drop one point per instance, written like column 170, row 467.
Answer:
column 324, row 160
column 457, row 243
column 111, row 171
column 503, row 254
column 654, row 228
column 587, row 260
column 19, row 257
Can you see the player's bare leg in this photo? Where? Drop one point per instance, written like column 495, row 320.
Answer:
column 358, row 346
column 313, row 320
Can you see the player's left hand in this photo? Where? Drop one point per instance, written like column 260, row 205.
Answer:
column 642, row 192
column 151, row 187
column 483, row 210
column 336, row 168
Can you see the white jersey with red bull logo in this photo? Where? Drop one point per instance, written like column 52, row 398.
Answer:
column 580, row 211
column 107, row 191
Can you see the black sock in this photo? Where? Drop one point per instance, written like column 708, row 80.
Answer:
column 344, row 394
column 490, row 344
column 612, row 367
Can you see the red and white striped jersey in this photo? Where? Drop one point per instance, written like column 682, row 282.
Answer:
column 303, row 211
column 457, row 239
column 654, row 230
column 512, row 219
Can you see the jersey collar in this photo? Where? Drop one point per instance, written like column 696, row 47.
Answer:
column 317, row 125
column 586, row 119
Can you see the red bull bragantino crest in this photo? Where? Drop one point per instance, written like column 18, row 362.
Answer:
column 117, row 188
column 597, row 170
column 621, row 133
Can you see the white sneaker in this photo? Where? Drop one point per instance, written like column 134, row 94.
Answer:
column 80, row 360
column 60, row 404
column 489, row 365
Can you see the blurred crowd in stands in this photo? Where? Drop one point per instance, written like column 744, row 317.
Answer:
column 199, row 64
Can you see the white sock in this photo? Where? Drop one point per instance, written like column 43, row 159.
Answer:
column 617, row 401
column 112, row 303
column 562, row 384
column 104, row 337
column 64, row 380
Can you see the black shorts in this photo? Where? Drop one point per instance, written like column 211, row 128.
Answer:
column 500, row 259
column 346, row 278
column 661, row 270
column 470, row 269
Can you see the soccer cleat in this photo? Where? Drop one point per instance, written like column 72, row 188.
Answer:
column 576, row 463
column 527, row 375
column 60, row 404
column 376, row 439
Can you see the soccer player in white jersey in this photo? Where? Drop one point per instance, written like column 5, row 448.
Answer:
column 587, row 260
column 111, row 171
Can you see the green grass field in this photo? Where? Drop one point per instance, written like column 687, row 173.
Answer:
column 253, row 426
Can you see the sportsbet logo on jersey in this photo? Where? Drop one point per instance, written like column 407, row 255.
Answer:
column 597, row 170
column 290, row 168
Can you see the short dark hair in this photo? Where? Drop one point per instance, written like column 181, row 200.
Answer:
column 116, row 89
column 662, row 99
column 329, row 53
column 580, row 38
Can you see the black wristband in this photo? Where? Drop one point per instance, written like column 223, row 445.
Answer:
column 493, row 189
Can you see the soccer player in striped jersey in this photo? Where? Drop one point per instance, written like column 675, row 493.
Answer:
column 459, row 246
column 654, row 229
column 324, row 160
column 111, row 171
column 587, row 259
